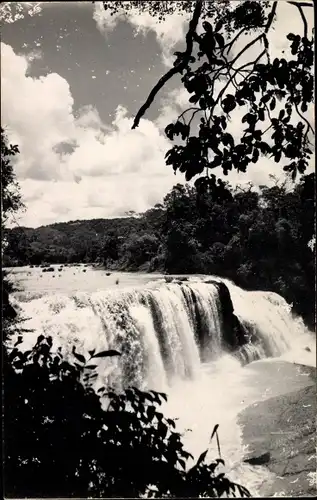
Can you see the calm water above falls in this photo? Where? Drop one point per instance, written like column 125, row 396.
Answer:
column 164, row 331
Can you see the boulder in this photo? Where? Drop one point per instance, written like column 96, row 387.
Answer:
column 259, row 460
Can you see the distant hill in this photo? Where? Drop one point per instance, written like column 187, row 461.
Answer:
column 74, row 241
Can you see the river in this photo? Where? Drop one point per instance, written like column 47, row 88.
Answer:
column 154, row 323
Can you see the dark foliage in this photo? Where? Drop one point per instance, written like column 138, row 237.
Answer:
column 272, row 96
column 210, row 145
column 10, row 192
column 70, row 242
column 11, row 203
column 60, row 441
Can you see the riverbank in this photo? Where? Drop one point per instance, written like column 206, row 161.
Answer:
column 280, row 432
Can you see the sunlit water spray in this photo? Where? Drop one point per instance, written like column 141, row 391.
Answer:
column 155, row 329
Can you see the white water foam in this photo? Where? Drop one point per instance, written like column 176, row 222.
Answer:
column 155, row 327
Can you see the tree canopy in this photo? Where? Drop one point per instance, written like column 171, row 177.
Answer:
column 268, row 96
column 10, row 191
column 10, row 204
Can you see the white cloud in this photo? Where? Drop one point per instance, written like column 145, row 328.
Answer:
column 74, row 167
column 173, row 104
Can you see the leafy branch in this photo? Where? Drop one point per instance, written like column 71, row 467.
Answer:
column 50, row 408
column 255, row 84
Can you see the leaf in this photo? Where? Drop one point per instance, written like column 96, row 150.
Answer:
column 220, row 461
column 214, row 432
column 92, row 352
column 106, row 354
column 171, row 422
column 277, row 156
column 228, row 103
column 255, row 156
column 264, row 147
column 304, row 107
column 162, row 428
column 80, row 357
column 223, row 122
column 201, row 458
column 281, row 114
column 218, row 444
column 163, row 395
column 169, row 131
column 182, row 463
column 228, row 140
column 26, row 354
column 150, row 412
column 194, row 99
column 216, row 161
column 220, row 40
column 91, row 367
column 294, row 47
column 273, row 104
column 219, row 25
column 261, row 115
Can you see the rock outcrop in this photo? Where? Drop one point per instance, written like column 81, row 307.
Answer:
column 234, row 333
column 281, row 435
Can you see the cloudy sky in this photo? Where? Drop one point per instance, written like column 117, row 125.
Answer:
column 72, row 79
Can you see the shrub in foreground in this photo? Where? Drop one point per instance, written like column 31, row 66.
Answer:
column 60, row 441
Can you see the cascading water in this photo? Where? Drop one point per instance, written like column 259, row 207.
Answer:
column 177, row 338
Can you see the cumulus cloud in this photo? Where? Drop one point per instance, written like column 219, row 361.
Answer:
column 172, row 105
column 73, row 167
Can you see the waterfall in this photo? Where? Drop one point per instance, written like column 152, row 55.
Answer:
column 165, row 332
column 194, row 339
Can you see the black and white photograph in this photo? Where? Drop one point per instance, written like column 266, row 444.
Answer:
column 158, row 249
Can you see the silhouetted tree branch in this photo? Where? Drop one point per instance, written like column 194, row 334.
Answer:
column 178, row 68
column 257, row 84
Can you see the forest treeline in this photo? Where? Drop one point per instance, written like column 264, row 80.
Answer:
column 261, row 239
